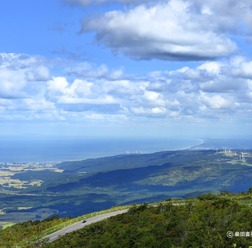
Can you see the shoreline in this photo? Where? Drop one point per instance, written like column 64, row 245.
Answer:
column 84, row 152
column 145, row 146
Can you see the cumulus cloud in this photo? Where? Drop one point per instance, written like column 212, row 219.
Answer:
column 155, row 111
column 241, row 67
column 208, row 90
column 88, row 70
column 172, row 30
column 40, row 73
column 229, row 15
column 12, row 83
column 17, row 71
column 81, row 96
column 22, row 87
column 216, row 101
column 58, row 84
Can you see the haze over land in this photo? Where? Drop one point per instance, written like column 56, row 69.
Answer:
column 125, row 68
column 36, row 191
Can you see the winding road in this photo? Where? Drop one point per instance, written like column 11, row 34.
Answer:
column 78, row 225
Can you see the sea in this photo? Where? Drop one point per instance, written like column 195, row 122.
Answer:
column 57, row 149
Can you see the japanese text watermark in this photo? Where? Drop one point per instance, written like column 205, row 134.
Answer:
column 246, row 234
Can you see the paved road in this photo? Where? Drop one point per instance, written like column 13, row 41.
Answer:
column 78, row 225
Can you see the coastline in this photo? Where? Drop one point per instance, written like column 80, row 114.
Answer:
column 57, row 151
column 51, row 151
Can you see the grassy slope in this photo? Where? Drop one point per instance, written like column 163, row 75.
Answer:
column 202, row 222
column 146, row 222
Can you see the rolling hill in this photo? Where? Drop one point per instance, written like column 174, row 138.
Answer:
column 74, row 188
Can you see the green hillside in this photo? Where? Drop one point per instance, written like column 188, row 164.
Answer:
column 69, row 189
column 205, row 221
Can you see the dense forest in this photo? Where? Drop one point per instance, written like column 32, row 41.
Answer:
column 74, row 188
column 26, row 234
column 210, row 220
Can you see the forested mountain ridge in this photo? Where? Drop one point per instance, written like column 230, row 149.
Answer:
column 78, row 187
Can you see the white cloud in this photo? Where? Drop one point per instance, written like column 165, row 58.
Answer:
column 216, row 101
column 74, row 100
column 171, row 30
column 38, row 105
column 224, row 84
column 19, row 71
column 82, row 87
column 154, row 98
column 211, row 67
column 81, row 96
column 58, row 84
column 87, row 70
column 241, row 67
column 155, row 111
column 229, row 15
column 12, row 83
column 210, row 90
column 41, row 73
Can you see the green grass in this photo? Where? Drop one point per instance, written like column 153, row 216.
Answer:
column 4, row 226
column 33, row 239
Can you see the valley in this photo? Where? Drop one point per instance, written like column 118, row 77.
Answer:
column 68, row 189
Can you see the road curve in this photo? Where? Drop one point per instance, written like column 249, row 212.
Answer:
column 78, row 225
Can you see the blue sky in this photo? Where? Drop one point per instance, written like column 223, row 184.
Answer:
column 126, row 68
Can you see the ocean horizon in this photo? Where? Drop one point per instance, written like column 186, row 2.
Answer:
column 58, row 149
column 53, row 149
